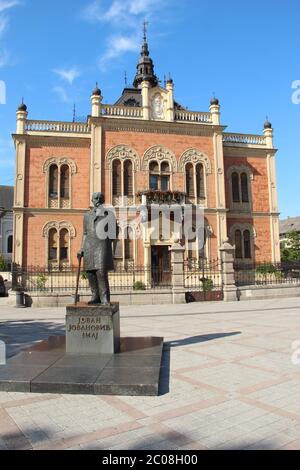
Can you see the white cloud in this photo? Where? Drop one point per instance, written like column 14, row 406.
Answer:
column 118, row 45
column 4, row 21
column 4, row 57
column 7, row 4
column 119, row 10
column 126, row 15
column 3, row 24
column 68, row 75
column 62, row 94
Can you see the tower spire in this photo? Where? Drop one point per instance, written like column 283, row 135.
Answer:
column 145, row 67
column 146, row 24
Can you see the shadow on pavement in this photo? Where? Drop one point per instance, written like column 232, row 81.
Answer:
column 18, row 335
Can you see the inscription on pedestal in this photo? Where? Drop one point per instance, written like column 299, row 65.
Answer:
column 92, row 329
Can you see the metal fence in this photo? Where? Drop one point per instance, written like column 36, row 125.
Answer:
column 263, row 274
column 203, row 279
column 54, row 280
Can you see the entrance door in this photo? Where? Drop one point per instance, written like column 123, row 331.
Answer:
column 160, row 265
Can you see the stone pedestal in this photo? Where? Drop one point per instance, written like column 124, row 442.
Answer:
column 92, row 329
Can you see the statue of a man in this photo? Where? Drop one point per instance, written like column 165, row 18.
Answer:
column 99, row 233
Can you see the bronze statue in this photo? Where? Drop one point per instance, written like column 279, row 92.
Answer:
column 99, row 233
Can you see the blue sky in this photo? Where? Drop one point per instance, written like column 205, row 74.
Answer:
column 53, row 51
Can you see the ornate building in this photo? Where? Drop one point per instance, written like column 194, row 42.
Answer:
column 6, row 222
column 144, row 148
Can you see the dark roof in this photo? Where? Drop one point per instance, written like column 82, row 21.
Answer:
column 291, row 223
column 130, row 97
column 6, row 198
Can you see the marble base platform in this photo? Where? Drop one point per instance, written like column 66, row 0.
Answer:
column 46, row 368
column 92, row 329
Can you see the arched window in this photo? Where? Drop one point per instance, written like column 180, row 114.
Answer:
column 243, row 243
column 64, row 245
column 200, row 181
column 65, row 182
column 235, row 187
column 154, row 175
column 53, row 182
column 128, row 178
column 59, row 176
column 128, row 243
column 52, row 256
column 247, row 244
column 159, row 178
column 10, row 244
column 244, row 187
column 238, row 244
column 118, row 249
column 165, row 176
column 117, row 191
column 189, row 178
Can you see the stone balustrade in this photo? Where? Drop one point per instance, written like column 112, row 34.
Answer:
column 57, row 126
column 121, row 111
column 245, row 139
column 193, row 116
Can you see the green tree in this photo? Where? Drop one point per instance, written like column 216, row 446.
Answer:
column 290, row 247
column 3, row 265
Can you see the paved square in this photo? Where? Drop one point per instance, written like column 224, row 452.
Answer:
column 228, row 382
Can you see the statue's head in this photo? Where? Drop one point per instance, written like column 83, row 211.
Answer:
column 98, row 199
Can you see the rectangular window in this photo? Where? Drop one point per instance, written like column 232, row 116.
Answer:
column 153, row 182
column 165, row 183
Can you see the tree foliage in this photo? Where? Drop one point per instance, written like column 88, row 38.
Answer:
column 290, row 247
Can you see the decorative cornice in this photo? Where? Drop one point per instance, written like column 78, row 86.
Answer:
column 250, row 215
column 48, row 211
column 59, row 162
column 59, row 226
column 241, row 151
column 242, row 226
column 159, row 127
column 195, row 156
column 159, row 153
column 123, row 152
column 240, row 169
column 54, row 141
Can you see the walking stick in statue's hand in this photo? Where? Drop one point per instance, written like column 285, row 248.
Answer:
column 79, row 257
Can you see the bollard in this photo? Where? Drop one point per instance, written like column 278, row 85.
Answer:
column 20, row 299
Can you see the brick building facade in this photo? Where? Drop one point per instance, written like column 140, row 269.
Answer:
column 145, row 146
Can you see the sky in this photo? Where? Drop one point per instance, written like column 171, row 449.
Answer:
column 52, row 52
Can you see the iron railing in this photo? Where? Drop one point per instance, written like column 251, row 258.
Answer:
column 263, row 274
column 57, row 281
column 204, row 275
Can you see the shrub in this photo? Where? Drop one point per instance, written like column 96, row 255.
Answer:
column 266, row 269
column 207, row 284
column 3, row 265
column 41, row 281
column 139, row 285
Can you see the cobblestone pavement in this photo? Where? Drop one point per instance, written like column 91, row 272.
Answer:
column 228, row 382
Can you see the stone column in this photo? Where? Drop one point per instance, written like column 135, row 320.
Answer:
column 145, row 100
column 96, row 101
column 170, row 108
column 227, row 256
column 19, row 193
column 177, row 264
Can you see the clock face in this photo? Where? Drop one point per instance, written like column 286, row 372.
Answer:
column 158, row 107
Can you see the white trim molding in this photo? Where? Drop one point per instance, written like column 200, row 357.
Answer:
column 195, row 156
column 122, row 153
column 160, row 154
